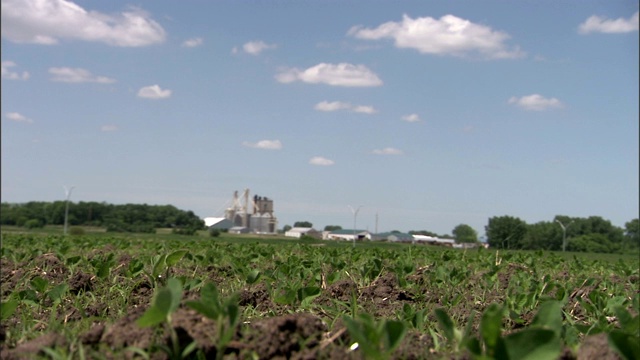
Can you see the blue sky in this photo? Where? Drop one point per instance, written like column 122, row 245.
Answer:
column 427, row 113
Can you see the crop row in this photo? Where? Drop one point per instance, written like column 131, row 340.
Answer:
column 108, row 297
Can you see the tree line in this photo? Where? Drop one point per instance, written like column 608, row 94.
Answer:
column 117, row 218
column 591, row 234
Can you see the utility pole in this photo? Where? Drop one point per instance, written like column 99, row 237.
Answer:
column 355, row 215
column 67, row 193
column 564, row 233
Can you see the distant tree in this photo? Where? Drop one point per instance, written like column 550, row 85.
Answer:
column 543, row 235
column 505, row 232
column 286, row 228
column 332, row 227
column 465, row 234
column 632, row 232
column 302, row 224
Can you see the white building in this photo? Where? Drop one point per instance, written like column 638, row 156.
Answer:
column 298, row 232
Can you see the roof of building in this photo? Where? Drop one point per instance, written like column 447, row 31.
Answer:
column 348, row 232
column 209, row 221
column 301, row 230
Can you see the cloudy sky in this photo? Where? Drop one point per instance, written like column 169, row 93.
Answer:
column 427, row 113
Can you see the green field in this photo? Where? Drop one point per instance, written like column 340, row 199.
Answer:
column 106, row 296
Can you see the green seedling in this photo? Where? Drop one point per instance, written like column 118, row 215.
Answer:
column 225, row 312
column 165, row 302
column 376, row 339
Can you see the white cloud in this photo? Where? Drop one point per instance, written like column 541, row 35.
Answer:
column 364, row 109
column 108, row 128
column 265, row 144
column 77, row 75
column 343, row 74
column 332, row 106
column 339, row 105
column 7, row 73
column 17, row 117
column 256, row 47
column 411, row 118
column 153, row 92
column 49, row 21
column 601, row 24
column 536, row 102
column 387, row 151
column 195, row 42
column 449, row 35
column 321, row 161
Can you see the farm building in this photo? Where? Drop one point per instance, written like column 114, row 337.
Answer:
column 257, row 217
column 239, row 230
column 433, row 240
column 218, row 223
column 347, row 234
column 393, row 237
column 298, row 232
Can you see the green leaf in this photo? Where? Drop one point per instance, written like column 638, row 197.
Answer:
column 7, row 308
column 158, row 265
column 253, row 276
column 446, row 324
column 491, row 326
column 626, row 345
column 165, row 302
column 533, row 344
column 549, row 316
column 394, row 331
column 153, row 316
column 39, row 284
column 204, row 309
column 73, row 260
column 104, row 269
column 57, row 292
column 174, row 257
column 308, row 292
column 175, row 288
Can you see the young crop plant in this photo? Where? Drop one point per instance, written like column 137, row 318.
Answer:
column 541, row 340
column 225, row 313
column 375, row 339
column 165, row 303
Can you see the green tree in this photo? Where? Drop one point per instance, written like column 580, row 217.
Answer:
column 286, row 228
column 302, row 224
column 543, row 235
column 464, row 233
column 632, row 233
column 505, row 232
column 332, row 227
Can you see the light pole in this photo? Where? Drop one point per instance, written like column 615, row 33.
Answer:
column 355, row 215
column 67, row 193
column 564, row 233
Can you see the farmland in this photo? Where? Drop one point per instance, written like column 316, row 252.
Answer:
column 105, row 296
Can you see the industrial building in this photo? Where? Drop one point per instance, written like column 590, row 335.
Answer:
column 260, row 219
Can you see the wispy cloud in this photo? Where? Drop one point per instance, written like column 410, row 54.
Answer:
column 49, row 21
column 342, row 74
column 77, row 75
column 194, row 42
column 387, row 151
column 600, row 24
column 17, row 117
column 339, row 105
column 264, row 144
column 321, row 161
column 153, row 92
column 255, row 47
column 449, row 35
column 108, row 128
column 7, row 73
column 536, row 102
column 411, row 118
